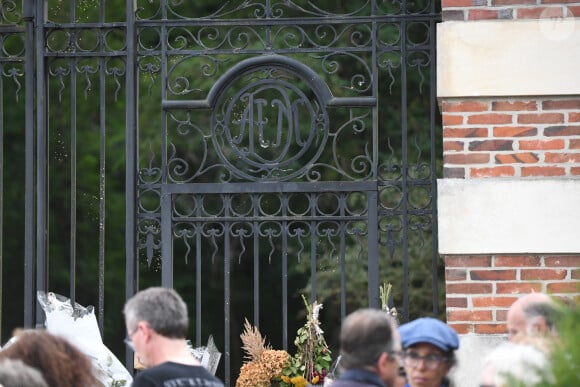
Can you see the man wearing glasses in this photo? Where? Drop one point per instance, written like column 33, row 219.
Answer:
column 157, row 323
column 428, row 352
column 370, row 350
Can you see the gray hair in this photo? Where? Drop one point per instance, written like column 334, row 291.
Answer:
column 545, row 310
column 365, row 334
column 15, row 373
column 161, row 308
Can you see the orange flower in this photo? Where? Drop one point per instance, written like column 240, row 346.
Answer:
column 298, row 381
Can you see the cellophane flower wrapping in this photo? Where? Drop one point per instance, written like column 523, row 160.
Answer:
column 79, row 326
column 209, row 356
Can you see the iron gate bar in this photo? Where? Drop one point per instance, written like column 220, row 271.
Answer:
column 404, row 144
column 41, row 160
column 268, row 22
column 84, row 26
column 102, row 196
column 433, row 160
column 372, row 198
column 373, row 256
column 269, row 186
column 131, row 153
column 11, row 29
column 102, row 174
column 166, row 248
column 29, row 220
column 207, row 104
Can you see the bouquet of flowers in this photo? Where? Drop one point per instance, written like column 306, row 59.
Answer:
column 312, row 360
column 264, row 365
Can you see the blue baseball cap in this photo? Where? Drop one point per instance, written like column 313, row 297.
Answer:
column 429, row 330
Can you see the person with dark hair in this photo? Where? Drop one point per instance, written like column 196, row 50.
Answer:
column 428, row 352
column 14, row 373
column 531, row 314
column 157, row 323
column 369, row 350
column 60, row 362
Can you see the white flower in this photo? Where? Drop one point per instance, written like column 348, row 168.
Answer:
column 315, row 312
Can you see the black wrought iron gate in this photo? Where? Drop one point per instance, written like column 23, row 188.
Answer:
column 243, row 152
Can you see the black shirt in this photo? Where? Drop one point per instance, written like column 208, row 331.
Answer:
column 176, row 375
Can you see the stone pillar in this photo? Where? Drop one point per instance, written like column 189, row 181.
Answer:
column 509, row 200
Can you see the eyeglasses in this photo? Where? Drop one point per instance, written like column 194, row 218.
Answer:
column 402, row 372
column 128, row 341
column 413, row 359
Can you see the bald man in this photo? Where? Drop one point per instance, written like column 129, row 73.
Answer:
column 532, row 314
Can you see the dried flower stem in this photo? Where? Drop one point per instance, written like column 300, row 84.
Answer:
column 253, row 342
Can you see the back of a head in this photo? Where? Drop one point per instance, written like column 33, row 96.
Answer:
column 60, row 362
column 523, row 362
column 163, row 310
column 15, row 373
column 364, row 335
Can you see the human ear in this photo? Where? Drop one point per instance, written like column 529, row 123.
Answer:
column 385, row 361
column 145, row 329
column 537, row 325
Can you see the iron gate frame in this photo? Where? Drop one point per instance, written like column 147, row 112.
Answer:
column 36, row 30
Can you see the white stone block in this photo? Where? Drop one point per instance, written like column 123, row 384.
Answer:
column 509, row 216
column 508, row 57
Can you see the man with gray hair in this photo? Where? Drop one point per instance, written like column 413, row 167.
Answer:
column 370, row 349
column 157, row 323
column 532, row 314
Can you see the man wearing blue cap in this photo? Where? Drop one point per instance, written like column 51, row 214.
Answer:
column 428, row 352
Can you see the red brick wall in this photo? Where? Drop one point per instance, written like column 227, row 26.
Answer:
column 511, row 137
column 508, row 138
column 508, row 9
column 480, row 289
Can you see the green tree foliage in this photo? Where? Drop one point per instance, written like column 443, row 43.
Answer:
column 565, row 358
